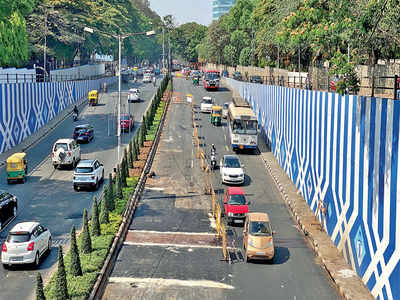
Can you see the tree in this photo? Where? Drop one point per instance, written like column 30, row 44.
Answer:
column 39, row 287
column 86, row 239
column 119, row 183
column 245, row 56
column 104, row 218
column 130, row 155
column 109, row 197
column 110, row 185
column 123, row 173
column 95, row 218
column 61, row 278
column 136, row 150
column 75, row 267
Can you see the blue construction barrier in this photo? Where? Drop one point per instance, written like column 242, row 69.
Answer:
column 343, row 150
column 26, row 107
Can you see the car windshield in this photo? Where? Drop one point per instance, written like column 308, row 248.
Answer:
column 84, row 170
column 211, row 76
column 232, row 162
column 260, row 228
column 18, row 237
column 244, row 127
column 61, row 146
column 237, row 200
column 256, row 77
column 207, row 101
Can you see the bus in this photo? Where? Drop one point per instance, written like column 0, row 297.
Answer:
column 211, row 79
column 242, row 126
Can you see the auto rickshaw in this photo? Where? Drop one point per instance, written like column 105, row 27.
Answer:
column 196, row 80
column 216, row 115
column 17, row 167
column 93, row 97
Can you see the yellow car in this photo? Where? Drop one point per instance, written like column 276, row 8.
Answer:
column 258, row 242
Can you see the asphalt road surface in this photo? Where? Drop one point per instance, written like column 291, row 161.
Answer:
column 48, row 195
column 166, row 256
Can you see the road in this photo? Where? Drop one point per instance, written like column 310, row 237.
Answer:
column 48, row 196
column 165, row 251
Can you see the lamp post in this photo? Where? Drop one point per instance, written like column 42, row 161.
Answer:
column 120, row 39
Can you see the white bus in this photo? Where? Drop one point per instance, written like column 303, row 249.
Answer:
column 242, row 125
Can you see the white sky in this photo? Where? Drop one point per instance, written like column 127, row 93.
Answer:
column 184, row 11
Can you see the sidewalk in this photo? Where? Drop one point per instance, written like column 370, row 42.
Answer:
column 347, row 281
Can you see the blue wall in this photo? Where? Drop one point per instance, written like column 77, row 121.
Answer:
column 26, row 107
column 343, row 150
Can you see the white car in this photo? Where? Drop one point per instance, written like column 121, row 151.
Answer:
column 231, row 170
column 225, row 109
column 25, row 244
column 133, row 95
column 88, row 173
column 206, row 105
column 147, row 78
column 65, row 152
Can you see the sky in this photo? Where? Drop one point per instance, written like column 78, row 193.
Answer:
column 184, row 11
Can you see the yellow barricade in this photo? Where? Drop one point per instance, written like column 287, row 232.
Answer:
column 213, row 202
column 224, row 242
column 218, row 220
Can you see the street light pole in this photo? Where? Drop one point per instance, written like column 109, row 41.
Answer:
column 119, row 98
column 163, row 47
column 45, row 44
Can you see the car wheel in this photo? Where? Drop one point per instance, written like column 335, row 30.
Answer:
column 37, row 260
column 76, row 188
column 55, row 166
column 96, row 187
column 49, row 243
column 102, row 176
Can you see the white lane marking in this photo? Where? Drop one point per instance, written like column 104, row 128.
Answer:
column 172, row 232
column 172, row 245
column 172, row 282
column 155, row 189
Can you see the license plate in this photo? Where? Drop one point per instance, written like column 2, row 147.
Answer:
column 237, row 221
column 17, row 258
column 260, row 253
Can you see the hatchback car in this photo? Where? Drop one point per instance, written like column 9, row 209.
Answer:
column 134, row 95
column 231, row 170
column 83, row 133
column 235, row 205
column 206, row 105
column 88, row 173
column 127, row 122
column 25, row 244
column 258, row 242
column 8, row 208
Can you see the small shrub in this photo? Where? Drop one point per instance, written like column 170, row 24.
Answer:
column 75, row 267
column 39, row 287
column 104, row 218
column 61, row 279
column 95, row 218
column 86, row 239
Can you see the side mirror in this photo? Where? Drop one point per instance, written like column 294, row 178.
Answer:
column 45, row 229
column 101, row 165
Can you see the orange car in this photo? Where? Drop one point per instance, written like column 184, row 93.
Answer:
column 257, row 237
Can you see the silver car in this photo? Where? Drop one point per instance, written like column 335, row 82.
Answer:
column 25, row 244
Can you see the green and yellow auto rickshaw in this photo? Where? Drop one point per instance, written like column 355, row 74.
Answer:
column 17, row 167
column 93, row 97
column 216, row 115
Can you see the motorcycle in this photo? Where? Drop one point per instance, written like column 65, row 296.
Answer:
column 75, row 116
column 213, row 161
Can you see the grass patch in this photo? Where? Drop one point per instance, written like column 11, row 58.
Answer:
column 150, row 137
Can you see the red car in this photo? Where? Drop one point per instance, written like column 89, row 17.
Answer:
column 235, row 205
column 127, row 122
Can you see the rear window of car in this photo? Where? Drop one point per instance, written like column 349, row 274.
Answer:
column 237, row 200
column 84, row 170
column 61, row 146
column 125, row 118
column 207, row 101
column 18, row 237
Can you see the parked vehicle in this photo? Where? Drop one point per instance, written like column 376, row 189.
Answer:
column 93, row 97
column 127, row 122
column 25, row 244
column 256, row 79
column 216, row 115
column 206, row 105
column 83, row 133
column 231, row 170
column 65, row 152
column 235, row 205
column 88, row 173
column 225, row 73
column 134, row 95
column 237, row 76
column 8, row 208
column 17, row 167
column 258, row 241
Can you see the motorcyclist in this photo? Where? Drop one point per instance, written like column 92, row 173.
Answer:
column 154, row 80
column 75, row 109
column 213, row 150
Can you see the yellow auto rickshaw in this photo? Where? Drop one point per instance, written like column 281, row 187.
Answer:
column 216, row 115
column 17, row 167
column 93, row 97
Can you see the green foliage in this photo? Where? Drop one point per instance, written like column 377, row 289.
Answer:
column 104, row 213
column 111, row 190
column 86, row 239
column 135, row 150
column 39, row 287
column 75, row 268
column 61, row 280
column 95, row 224
column 130, row 156
column 118, row 183
column 123, row 173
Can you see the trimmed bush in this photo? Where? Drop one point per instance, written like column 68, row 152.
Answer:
column 86, row 239
column 118, row 182
column 39, row 287
column 95, row 218
column 109, row 198
column 123, row 173
column 110, row 184
column 104, row 216
column 61, row 279
column 75, row 268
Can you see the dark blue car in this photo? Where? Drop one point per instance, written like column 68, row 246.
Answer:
column 83, row 133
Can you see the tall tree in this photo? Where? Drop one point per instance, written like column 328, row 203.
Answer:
column 61, row 278
column 75, row 267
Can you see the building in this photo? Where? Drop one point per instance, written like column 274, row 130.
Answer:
column 221, row 7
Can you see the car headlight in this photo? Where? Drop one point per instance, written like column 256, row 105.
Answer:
column 225, row 174
column 241, row 175
column 251, row 243
column 230, row 214
column 269, row 244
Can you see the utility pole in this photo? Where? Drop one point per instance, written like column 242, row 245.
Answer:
column 45, row 44
column 169, row 54
column 163, row 47
column 119, row 98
